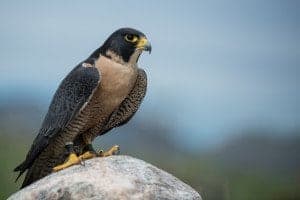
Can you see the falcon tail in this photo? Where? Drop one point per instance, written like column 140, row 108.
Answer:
column 21, row 168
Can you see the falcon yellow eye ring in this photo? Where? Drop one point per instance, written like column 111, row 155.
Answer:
column 131, row 38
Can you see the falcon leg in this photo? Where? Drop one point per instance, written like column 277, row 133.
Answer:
column 72, row 159
column 88, row 150
column 112, row 151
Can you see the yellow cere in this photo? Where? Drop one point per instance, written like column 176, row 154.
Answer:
column 142, row 42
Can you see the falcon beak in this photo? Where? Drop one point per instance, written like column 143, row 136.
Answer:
column 144, row 44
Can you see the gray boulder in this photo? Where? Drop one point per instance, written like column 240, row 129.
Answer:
column 114, row 177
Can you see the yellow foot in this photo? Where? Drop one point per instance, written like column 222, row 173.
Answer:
column 73, row 159
column 87, row 155
column 112, row 151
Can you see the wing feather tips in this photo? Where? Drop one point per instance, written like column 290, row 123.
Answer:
column 21, row 168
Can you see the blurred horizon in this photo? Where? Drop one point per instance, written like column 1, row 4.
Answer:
column 226, row 65
column 223, row 86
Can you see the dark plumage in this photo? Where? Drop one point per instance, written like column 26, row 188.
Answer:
column 99, row 94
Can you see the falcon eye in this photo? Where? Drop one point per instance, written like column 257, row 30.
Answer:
column 131, row 38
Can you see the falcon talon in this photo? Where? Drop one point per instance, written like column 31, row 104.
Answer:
column 72, row 159
column 112, row 151
column 82, row 162
column 100, row 153
column 89, row 93
column 87, row 155
column 117, row 152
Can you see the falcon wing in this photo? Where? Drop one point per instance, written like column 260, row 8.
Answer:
column 73, row 92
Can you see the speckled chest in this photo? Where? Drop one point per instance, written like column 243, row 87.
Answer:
column 116, row 82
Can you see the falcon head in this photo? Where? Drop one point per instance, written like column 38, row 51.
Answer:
column 125, row 45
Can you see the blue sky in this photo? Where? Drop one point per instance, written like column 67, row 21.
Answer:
column 216, row 66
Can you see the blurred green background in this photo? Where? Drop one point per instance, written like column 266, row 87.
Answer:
column 254, row 166
column 222, row 109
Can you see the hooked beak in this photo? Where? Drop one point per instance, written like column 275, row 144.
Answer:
column 144, row 44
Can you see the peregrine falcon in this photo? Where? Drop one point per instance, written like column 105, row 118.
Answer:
column 100, row 93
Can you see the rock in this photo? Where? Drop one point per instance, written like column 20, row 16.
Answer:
column 114, row 177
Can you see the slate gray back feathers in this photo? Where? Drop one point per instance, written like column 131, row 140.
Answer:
column 70, row 96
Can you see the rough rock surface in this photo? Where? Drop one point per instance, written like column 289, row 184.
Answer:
column 114, row 177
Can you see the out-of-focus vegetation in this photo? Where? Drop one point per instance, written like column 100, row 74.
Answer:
column 252, row 166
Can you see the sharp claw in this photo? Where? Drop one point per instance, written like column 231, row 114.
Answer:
column 100, row 153
column 117, row 152
column 71, row 160
column 82, row 162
